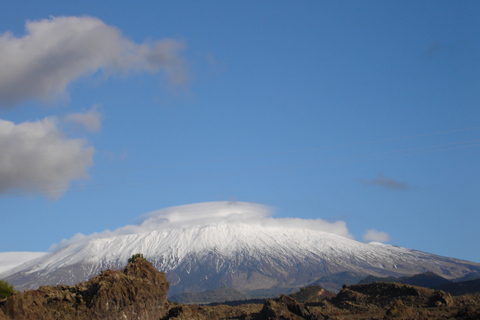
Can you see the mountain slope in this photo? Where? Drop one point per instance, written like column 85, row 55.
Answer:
column 238, row 253
column 427, row 279
column 334, row 282
column 217, row 295
column 432, row 281
column 9, row 260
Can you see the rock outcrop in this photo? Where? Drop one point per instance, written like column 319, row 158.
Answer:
column 138, row 292
column 284, row 308
column 381, row 295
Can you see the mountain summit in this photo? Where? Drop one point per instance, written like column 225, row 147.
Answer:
column 230, row 244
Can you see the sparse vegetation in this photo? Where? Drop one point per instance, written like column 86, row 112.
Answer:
column 135, row 257
column 109, row 272
column 6, row 289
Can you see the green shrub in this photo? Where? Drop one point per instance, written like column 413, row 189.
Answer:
column 135, row 257
column 6, row 289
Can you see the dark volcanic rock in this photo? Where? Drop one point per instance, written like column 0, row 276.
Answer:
column 312, row 294
column 284, row 308
column 381, row 294
column 192, row 312
column 468, row 312
column 139, row 292
column 399, row 310
column 463, row 287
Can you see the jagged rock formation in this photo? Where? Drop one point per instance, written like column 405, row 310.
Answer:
column 381, row 295
column 383, row 300
column 366, row 301
column 285, row 308
column 138, row 292
column 312, row 294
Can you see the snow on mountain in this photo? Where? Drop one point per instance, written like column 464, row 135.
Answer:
column 9, row 260
column 233, row 244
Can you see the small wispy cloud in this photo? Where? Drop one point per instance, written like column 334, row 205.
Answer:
column 388, row 183
column 376, row 236
column 434, row 48
column 90, row 120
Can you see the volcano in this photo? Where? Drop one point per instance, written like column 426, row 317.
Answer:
column 230, row 244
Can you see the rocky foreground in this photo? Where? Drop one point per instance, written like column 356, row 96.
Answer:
column 140, row 292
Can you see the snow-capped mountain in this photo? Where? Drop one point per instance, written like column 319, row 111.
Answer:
column 9, row 260
column 209, row 245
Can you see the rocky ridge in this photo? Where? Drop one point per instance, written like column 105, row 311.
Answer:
column 140, row 292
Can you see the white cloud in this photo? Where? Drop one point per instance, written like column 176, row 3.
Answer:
column 36, row 157
column 210, row 213
column 56, row 51
column 377, row 236
column 91, row 120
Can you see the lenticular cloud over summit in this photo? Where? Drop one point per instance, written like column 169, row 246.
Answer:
column 212, row 213
column 206, row 214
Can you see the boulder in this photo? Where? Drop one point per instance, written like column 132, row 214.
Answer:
column 285, row 308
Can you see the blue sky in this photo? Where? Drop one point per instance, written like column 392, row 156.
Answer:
column 362, row 112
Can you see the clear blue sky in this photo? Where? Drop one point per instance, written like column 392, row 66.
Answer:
column 362, row 112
